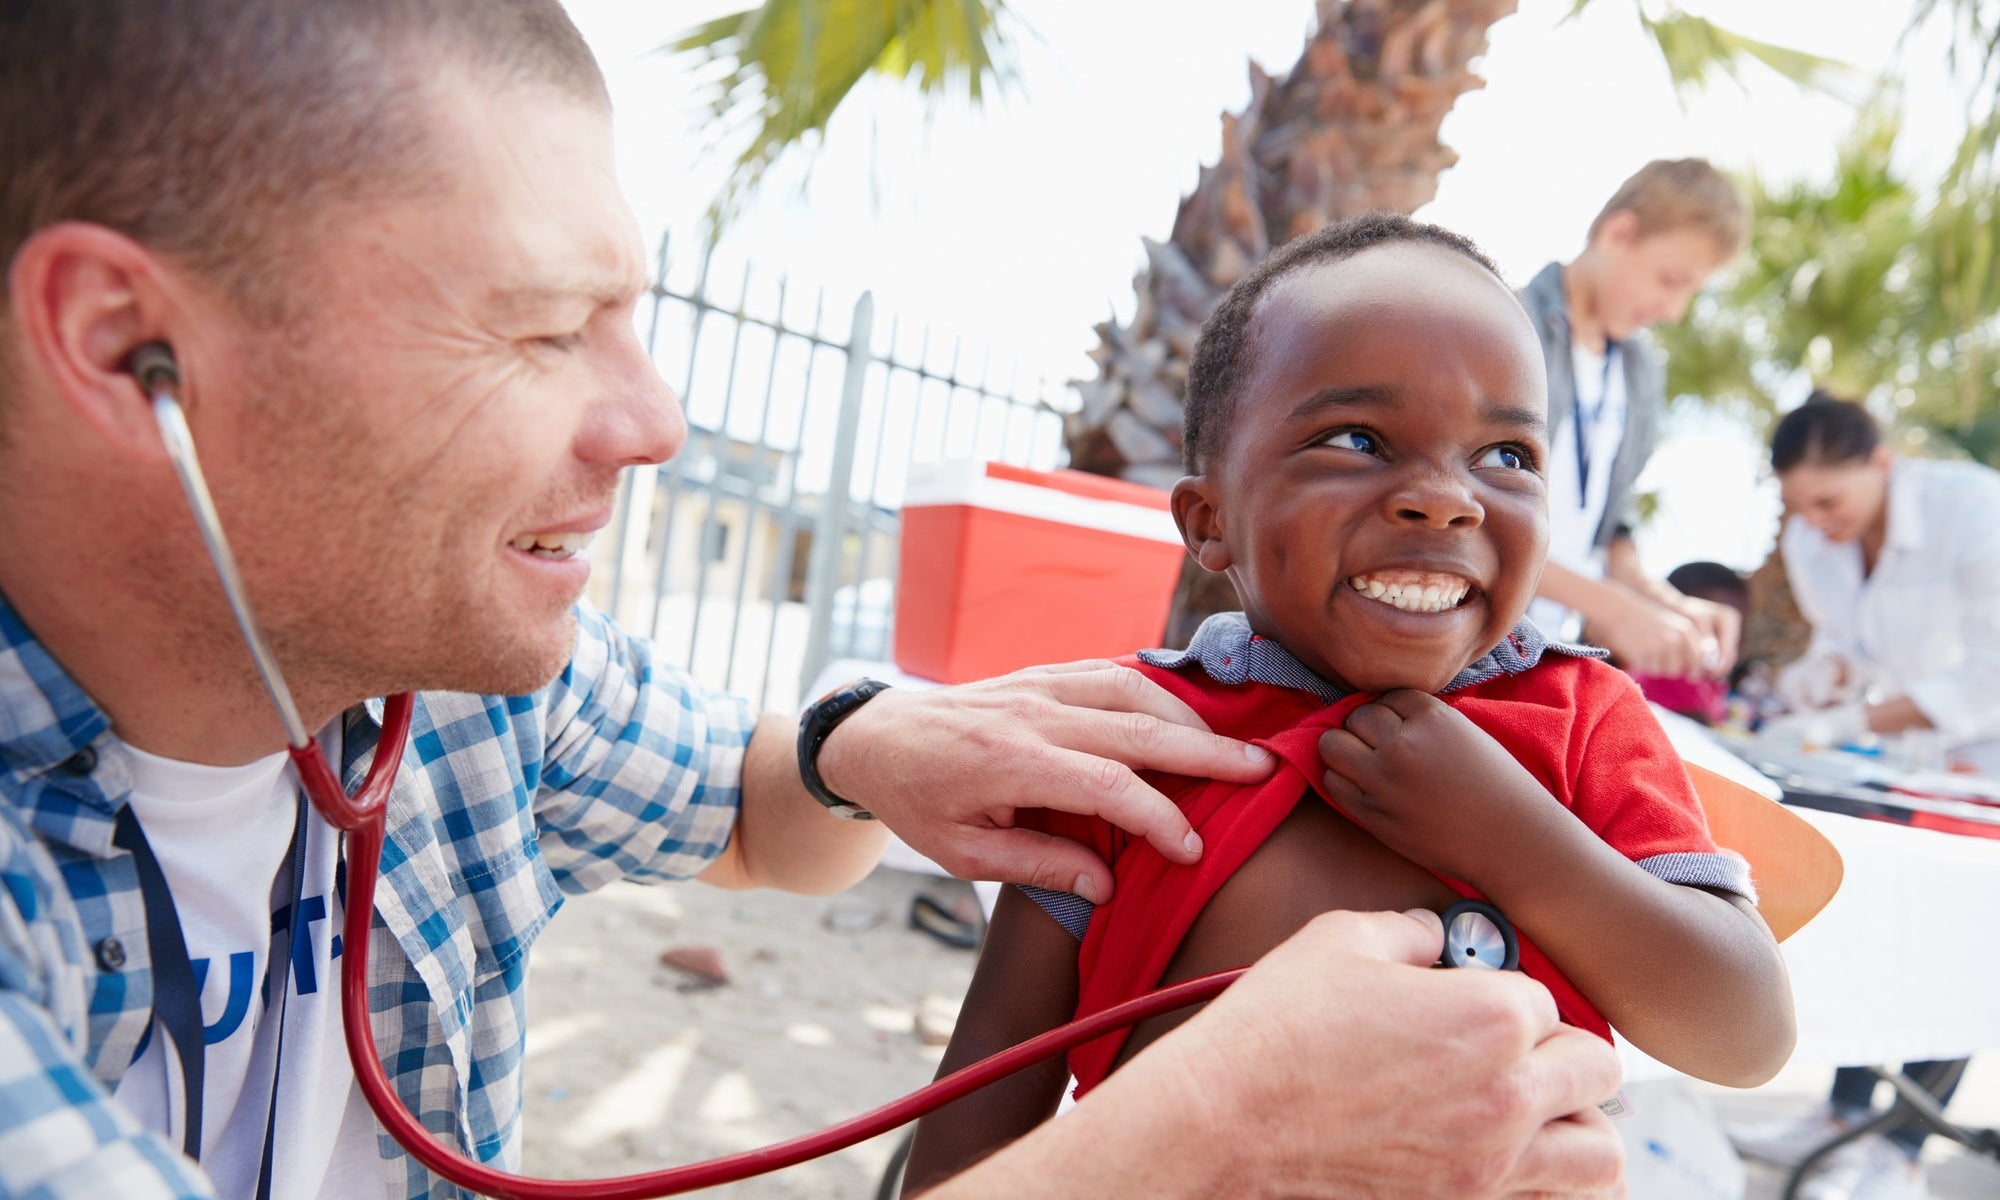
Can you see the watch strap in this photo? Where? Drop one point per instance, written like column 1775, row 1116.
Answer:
column 818, row 724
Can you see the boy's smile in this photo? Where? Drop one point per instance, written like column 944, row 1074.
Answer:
column 1378, row 500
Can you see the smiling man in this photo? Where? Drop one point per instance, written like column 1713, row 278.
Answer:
column 383, row 243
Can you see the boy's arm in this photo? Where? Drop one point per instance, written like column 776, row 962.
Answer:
column 1025, row 984
column 1688, row 976
column 1644, row 634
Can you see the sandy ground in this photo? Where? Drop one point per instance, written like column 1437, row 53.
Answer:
column 631, row 1066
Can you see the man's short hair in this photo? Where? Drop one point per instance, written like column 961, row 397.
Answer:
column 212, row 130
column 1823, row 432
column 1669, row 194
column 1223, row 353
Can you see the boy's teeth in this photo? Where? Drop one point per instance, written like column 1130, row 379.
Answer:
column 1429, row 593
column 554, row 545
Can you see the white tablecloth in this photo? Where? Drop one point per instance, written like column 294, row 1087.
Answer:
column 1903, row 964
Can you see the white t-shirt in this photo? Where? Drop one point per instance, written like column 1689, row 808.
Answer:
column 221, row 835
column 1576, row 504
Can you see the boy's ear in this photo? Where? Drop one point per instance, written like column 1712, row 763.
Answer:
column 1620, row 228
column 1200, row 520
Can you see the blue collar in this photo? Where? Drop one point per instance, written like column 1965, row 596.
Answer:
column 1231, row 654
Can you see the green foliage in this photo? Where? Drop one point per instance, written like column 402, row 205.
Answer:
column 1865, row 285
column 781, row 69
column 1696, row 50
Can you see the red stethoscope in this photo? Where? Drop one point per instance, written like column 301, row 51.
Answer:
column 1475, row 933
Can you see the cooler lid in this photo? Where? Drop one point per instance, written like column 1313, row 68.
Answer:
column 1072, row 497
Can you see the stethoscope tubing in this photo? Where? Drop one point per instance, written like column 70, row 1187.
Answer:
column 364, row 854
column 364, row 819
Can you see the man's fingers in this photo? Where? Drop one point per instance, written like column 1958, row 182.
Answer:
column 1034, row 859
column 1094, row 785
column 1575, row 1156
column 1572, row 1071
column 1414, row 938
column 1080, row 666
column 1112, row 688
column 1120, row 714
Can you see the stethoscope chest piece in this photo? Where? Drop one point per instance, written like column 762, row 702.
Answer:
column 1477, row 936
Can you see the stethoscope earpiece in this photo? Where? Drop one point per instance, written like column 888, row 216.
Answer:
column 153, row 365
column 1477, row 936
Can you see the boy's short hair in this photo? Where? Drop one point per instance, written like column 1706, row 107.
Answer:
column 1824, row 431
column 1682, row 193
column 1711, row 581
column 1223, row 353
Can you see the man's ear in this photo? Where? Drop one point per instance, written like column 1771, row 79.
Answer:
column 83, row 297
column 1200, row 521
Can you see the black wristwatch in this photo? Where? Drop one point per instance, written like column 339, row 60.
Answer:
column 817, row 725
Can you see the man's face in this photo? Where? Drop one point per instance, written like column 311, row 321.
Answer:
column 1648, row 279
column 1379, row 496
column 413, row 474
column 1842, row 500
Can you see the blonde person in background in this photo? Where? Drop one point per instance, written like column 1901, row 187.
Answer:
column 1896, row 562
column 1667, row 229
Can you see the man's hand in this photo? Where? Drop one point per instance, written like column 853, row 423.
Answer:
column 1428, row 783
column 948, row 769
column 1340, row 1066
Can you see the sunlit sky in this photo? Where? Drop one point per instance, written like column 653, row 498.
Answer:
column 1018, row 226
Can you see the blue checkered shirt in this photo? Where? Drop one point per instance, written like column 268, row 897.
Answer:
column 621, row 768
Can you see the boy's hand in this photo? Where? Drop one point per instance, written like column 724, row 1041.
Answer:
column 1428, row 783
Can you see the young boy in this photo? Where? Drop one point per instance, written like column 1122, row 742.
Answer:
column 1366, row 437
column 1660, row 236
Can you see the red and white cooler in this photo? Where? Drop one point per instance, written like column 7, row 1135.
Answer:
column 1003, row 567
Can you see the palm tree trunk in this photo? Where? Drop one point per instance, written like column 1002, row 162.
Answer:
column 1353, row 127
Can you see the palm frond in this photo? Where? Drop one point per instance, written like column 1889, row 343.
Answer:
column 776, row 73
column 1696, row 50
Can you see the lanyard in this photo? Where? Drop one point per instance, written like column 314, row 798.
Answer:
column 1586, row 424
column 176, row 1000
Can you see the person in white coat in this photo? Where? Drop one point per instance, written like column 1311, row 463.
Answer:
column 1896, row 562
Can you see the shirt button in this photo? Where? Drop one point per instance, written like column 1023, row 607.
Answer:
column 83, row 762
column 111, row 954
